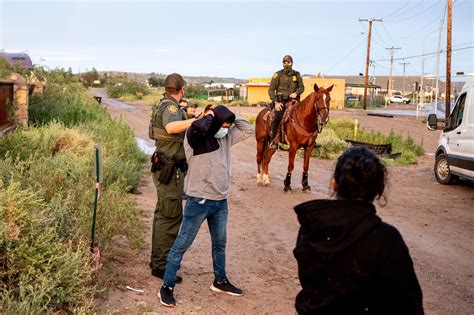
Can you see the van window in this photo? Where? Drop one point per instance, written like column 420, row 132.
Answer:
column 458, row 112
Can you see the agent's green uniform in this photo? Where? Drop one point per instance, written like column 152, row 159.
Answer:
column 285, row 82
column 169, row 207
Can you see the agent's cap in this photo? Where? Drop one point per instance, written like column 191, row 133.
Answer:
column 287, row 58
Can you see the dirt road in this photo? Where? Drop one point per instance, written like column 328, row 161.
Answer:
column 436, row 222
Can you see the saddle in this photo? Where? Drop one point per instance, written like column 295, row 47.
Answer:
column 269, row 116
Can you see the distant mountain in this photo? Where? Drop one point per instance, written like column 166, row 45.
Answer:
column 142, row 77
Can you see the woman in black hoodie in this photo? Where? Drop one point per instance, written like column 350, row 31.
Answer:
column 349, row 261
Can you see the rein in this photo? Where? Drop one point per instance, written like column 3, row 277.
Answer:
column 319, row 123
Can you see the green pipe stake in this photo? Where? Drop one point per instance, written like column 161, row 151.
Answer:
column 96, row 199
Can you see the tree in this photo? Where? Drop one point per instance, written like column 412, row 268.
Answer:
column 156, row 81
column 89, row 77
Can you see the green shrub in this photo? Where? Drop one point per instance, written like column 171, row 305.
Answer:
column 46, row 195
column 68, row 104
column 40, row 273
column 330, row 143
column 120, row 87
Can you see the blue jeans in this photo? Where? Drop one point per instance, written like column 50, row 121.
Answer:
column 195, row 212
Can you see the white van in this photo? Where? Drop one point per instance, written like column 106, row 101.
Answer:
column 455, row 153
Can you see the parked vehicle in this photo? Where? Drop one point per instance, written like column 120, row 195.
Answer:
column 399, row 99
column 455, row 153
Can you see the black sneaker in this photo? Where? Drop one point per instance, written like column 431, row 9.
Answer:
column 226, row 287
column 160, row 273
column 166, row 296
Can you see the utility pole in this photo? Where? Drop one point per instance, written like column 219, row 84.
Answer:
column 448, row 62
column 404, row 64
column 441, row 23
column 367, row 59
column 390, row 85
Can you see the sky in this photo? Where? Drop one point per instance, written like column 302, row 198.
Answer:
column 239, row 39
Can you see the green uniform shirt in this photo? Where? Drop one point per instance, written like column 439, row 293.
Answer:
column 168, row 111
column 285, row 83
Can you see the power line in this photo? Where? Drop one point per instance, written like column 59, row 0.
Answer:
column 386, row 31
column 423, row 55
column 402, row 12
column 397, row 10
column 380, row 37
column 416, row 14
column 347, row 55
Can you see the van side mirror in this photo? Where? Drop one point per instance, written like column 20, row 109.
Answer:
column 432, row 122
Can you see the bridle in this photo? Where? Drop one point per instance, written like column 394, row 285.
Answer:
column 319, row 118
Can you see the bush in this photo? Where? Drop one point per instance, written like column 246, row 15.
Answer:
column 330, row 143
column 46, row 195
column 68, row 104
column 39, row 272
column 121, row 87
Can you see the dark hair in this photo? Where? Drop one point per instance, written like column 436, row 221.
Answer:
column 359, row 175
column 174, row 82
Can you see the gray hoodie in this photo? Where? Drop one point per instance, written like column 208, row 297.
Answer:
column 208, row 158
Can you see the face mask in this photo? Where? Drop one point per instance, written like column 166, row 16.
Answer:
column 221, row 133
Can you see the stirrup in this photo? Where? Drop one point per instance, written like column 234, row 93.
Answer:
column 273, row 145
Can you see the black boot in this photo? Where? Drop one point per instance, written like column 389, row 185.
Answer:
column 304, row 182
column 287, row 182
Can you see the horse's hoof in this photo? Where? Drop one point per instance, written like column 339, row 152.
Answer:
column 287, row 189
column 266, row 180
column 307, row 189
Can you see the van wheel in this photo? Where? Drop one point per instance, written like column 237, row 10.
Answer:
column 442, row 172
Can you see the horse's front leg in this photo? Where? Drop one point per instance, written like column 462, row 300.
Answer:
column 266, row 161
column 291, row 166
column 307, row 155
column 260, row 153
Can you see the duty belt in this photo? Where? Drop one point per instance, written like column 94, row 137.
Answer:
column 161, row 134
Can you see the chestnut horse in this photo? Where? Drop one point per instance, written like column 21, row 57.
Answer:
column 304, row 122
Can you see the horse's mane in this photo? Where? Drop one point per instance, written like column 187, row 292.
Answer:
column 305, row 100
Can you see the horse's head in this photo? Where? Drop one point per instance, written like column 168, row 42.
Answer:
column 322, row 103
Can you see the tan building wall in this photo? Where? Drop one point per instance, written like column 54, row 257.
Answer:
column 21, row 97
column 257, row 94
column 337, row 93
column 257, row 90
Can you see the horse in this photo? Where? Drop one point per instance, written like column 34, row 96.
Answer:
column 301, row 124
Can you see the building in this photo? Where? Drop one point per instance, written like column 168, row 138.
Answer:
column 14, row 100
column 217, row 85
column 21, row 60
column 256, row 90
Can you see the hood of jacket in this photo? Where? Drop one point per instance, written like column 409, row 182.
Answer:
column 221, row 115
column 330, row 226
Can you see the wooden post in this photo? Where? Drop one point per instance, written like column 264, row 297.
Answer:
column 448, row 63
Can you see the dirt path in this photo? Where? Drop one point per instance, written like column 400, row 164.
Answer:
column 436, row 222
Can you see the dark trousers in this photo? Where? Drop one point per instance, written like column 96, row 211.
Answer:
column 166, row 220
column 278, row 115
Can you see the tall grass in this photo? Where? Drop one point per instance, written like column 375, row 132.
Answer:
column 46, row 195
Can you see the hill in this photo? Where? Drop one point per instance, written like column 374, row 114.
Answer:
column 190, row 79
